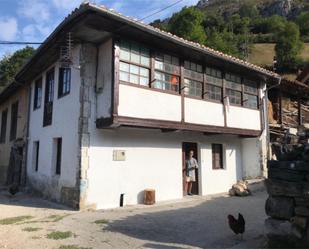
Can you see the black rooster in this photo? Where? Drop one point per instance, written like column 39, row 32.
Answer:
column 13, row 189
column 238, row 226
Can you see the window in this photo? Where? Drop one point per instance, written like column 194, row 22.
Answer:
column 37, row 94
column 4, row 118
column 134, row 74
column 36, row 151
column 134, row 63
column 214, row 84
column 64, row 85
column 250, row 94
column 217, row 156
column 193, row 88
column 167, row 72
column 48, row 100
column 58, row 143
column 233, row 88
column 14, row 117
column 193, row 79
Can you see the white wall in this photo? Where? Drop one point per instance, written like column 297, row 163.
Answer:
column 239, row 117
column 145, row 103
column 65, row 125
column 203, row 112
column 104, row 79
column 154, row 160
column 251, row 158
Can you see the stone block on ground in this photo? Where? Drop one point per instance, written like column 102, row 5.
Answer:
column 300, row 221
column 283, row 188
column 277, row 227
column 302, row 211
column 280, row 207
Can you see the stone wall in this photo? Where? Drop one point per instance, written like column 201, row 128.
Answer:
column 288, row 201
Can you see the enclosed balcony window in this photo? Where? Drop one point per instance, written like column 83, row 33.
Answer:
column 250, row 98
column 193, row 88
column 166, row 81
column 135, row 53
column 167, row 72
column 134, row 74
column 214, row 84
column 134, row 63
column 233, row 88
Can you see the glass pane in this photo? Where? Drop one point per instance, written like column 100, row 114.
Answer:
column 145, row 61
column 159, row 65
column 168, row 59
column 175, row 61
column 250, row 101
column 133, row 78
column 124, row 66
column 144, row 72
column 187, row 64
column 124, row 45
column 199, row 68
column 134, row 69
column 144, row 81
column 124, row 76
column 124, row 55
column 250, row 86
column 145, row 52
column 135, row 48
column 135, row 58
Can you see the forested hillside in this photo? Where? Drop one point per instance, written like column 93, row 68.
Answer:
column 234, row 26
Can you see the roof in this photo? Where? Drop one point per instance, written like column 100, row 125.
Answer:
column 112, row 14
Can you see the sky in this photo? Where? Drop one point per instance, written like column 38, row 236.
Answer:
column 34, row 20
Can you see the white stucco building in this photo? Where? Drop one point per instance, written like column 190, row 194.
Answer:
column 132, row 102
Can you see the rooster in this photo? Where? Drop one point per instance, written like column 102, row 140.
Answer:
column 13, row 189
column 238, row 226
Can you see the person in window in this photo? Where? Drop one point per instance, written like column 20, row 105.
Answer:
column 191, row 165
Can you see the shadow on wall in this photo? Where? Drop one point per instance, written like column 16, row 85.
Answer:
column 203, row 225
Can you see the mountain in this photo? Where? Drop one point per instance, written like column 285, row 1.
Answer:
column 285, row 8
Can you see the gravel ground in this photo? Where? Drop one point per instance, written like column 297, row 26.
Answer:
column 194, row 222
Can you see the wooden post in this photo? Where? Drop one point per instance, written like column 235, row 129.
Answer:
column 300, row 120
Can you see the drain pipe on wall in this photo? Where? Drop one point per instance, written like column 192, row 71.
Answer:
column 266, row 115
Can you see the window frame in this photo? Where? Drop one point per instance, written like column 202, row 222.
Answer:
column 62, row 93
column 139, row 65
column 37, row 102
column 162, row 71
column 4, row 123
column 207, row 83
column 228, row 88
column 49, row 98
column 221, row 155
column 14, row 120
column 246, row 92
column 58, row 155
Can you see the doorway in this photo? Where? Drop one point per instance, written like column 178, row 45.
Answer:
column 186, row 147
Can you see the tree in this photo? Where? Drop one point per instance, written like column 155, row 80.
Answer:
column 188, row 24
column 288, row 47
column 249, row 10
column 10, row 65
column 303, row 22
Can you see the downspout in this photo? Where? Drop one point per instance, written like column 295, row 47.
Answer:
column 266, row 115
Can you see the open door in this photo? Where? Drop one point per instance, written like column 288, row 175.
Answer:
column 186, row 147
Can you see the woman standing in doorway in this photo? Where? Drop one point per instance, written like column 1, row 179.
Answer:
column 191, row 165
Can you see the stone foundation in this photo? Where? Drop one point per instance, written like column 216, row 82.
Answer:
column 288, row 201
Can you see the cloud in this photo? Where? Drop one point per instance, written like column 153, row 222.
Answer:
column 66, row 4
column 9, row 28
column 36, row 10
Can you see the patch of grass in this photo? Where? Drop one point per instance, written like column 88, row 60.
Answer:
column 103, row 221
column 56, row 235
column 14, row 220
column 31, row 229
column 73, row 247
